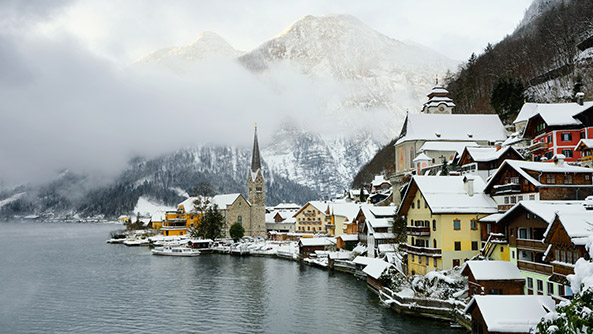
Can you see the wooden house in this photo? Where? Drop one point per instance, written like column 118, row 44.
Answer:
column 313, row 217
column 507, row 314
column 516, row 181
column 308, row 246
column 484, row 161
column 493, row 278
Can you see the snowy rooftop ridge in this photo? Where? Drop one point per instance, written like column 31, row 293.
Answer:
column 512, row 313
column 455, row 127
column 453, row 146
column 544, row 167
column 553, row 113
column 485, row 154
column 494, row 270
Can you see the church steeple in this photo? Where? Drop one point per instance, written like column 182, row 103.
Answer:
column 255, row 160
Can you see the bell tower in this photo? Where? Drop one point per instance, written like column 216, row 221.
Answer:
column 256, row 193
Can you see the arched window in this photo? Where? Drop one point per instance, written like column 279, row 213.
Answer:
column 434, row 243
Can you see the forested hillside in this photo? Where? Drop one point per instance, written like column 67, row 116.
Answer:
column 546, row 60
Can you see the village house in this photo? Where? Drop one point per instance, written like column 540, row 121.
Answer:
column 442, row 215
column 556, row 128
column 516, row 181
column 528, row 228
column 281, row 219
column 432, row 154
column 493, row 278
column 566, row 237
column 313, row 217
column 585, row 148
column 340, row 215
column 484, row 161
column 375, row 227
column 508, row 313
column 308, row 246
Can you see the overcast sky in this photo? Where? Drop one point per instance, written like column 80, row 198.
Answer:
column 67, row 100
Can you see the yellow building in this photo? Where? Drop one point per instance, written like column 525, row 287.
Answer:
column 313, row 218
column 341, row 215
column 442, row 214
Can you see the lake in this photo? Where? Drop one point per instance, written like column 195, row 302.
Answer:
column 64, row 278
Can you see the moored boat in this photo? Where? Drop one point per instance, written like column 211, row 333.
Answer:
column 175, row 251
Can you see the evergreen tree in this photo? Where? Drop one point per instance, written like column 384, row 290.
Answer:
column 507, row 98
column 211, row 225
column 237, row 231
column 444, row 167
column 399, row 228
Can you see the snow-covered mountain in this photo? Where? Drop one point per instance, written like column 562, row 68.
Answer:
column 377, row 71
column 363, row 83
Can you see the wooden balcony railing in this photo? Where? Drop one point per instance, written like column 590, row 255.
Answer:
column 423, row 251
column 538, row 147
column 536, row 245
column 562, row 269
column 507, row 188
column 420, row 231
column 541, row 268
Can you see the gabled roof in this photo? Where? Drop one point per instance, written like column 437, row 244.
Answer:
column 222, row 201
column 319, row 205
column 493, row 270
column 511, row 313
column 541, row 167
column 348, row 210
column 455, row 127
column 379, row 180
column 372, row 220
column 485, row 154
column 585, row 143
column 546, row 210
column 554, row 114
column 447, row 194
column 376, row 267
column 307, row 242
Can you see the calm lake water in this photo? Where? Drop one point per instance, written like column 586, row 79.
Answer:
column 64, row 278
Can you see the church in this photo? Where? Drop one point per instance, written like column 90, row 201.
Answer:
column 256, row 194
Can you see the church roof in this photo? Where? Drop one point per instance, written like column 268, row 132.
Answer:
column 255, row 160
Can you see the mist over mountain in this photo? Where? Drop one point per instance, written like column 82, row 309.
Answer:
column 329, row 92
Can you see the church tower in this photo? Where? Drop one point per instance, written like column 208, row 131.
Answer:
column 438, row 101
column 256, row 194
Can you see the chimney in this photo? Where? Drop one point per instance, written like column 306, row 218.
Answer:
column 498, row 146
column 580, row 98
column 559, row 160
column 468, row 185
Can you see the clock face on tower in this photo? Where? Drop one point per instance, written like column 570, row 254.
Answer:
column 441, row 108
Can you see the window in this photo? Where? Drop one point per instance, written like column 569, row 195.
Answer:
column 434, row 262
column 513, row 200
column 527, row 215
column 457, row 224
column 455, row 262
column 434, row 225
column 532, row 197
column 567, row 153
column 522, row 233
column 474, row 245
column 549, row 139
column 567, row 179
column 419, row 259
column 587, row 177
column 434, row 243
column 413, row 205
column 506, row 200
column 512, row 254
column 412, row 257
column 411, row 222
column 512, row 232
column 474, row 224
column 425, row 204
column 550, row 179
column 240, row 219
column 550, row 288
column 457, row 245
column 427, row 260
column 418, row 204
column 566, row 136
column 540, row 286
column 519, row 198
column 529, row 283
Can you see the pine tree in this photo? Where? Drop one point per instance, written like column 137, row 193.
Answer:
column 237, row 231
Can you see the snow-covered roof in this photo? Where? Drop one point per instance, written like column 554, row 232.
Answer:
column 447, row 194
column 339, row 255
column 287, row 206
column 544, row 167
column 372, row 220
column 362, row 259
column 485, row 154
column 360, row 249
column 493, row 218
column 348, row 210
column 349, row 237
column 379, row 180
column 455, row 127
column 494, row 270
column 376, row 267
column 422, row 157
column 224, row 200
column 554, row 114
column 512, row 313
column 586, row 142
column 319, row 205
column 446, row 146
column 528, row 110
column 158, row 216
column 383, row 236
column 383, row 211
column 384, row 248
column 317, row 241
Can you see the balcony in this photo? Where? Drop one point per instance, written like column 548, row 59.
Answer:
column 419, row 231
column 586, row 158
column 538, row 147
column 507, row 188
column 534, row 245
column 540, row 268
column 422, row 251
column 309, row 214
column 564, row 269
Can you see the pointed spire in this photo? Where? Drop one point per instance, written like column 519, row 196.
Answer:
column 255, row 160
column 437, row 80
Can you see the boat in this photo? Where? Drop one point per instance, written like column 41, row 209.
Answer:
column 136, row 242
column 175, row 251
column 116, row 240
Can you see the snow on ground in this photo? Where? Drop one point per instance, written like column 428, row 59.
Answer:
column 147, row 208
column 439, row 284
